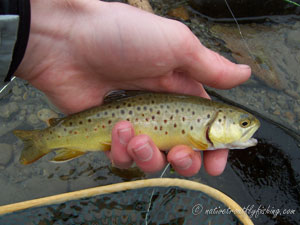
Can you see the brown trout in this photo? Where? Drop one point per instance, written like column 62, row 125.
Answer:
column 169, row 119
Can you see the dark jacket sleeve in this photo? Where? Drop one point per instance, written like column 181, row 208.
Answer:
column 14, row 34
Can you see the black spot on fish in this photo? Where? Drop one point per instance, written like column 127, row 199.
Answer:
column 198, row 120
column 80, row 122
column 89, row 120
column 145, row 107
column 220, row 120
column 129, row 105
column 105, row 113
column 153, row 117
column 98, row 114
column 117, row 107
column 70, row 123
column 177, row 111
column 192, row 127
column 224, row 117
column 122, row 112
column 182, row 109
column 193, row 113
column 183, row 118
column 208, row 115
column 158, row 112
column 138, row 108
column 113, row 114
column 130, row 112
column 109, row 122
column 150, row 109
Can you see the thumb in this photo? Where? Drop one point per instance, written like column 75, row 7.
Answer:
column 212, row 69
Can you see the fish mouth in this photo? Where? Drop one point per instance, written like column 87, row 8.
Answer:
column 243, row 144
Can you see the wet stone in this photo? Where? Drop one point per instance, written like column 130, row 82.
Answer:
column 276, row 112
column 5, row 154
column 290, row 116
column 16, row 90
column 293, row 39
column 8, row 109
column 32, row 119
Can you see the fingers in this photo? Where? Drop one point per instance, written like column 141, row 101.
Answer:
column 127, row 148
column 145, row 154
column 121, row 135
column 215, row 161
column 185, row 160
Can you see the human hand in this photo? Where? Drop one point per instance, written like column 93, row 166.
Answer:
column 80, row 50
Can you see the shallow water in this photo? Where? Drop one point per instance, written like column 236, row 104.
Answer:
column 266, row 175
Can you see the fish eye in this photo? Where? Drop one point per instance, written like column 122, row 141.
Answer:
column 245, row 123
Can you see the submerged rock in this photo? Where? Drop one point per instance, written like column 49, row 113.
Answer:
column 5, row 154
column 244, row 8
column 179, row 13
column 254, row 48
column 8, row 109
column 16, row 90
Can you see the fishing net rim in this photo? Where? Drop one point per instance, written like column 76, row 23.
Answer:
column 131, row 185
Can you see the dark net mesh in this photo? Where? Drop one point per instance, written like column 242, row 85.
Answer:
column 168, row 206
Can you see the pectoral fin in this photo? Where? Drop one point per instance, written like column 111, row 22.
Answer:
column 197, row 143
column 64, row 154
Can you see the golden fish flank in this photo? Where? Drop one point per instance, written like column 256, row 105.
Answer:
column 168, row 119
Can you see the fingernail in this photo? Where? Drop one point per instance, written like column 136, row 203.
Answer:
column 243, row 66
column 143, row 153
column 125, row 135
column 182, row 161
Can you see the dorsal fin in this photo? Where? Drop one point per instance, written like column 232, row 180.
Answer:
column 121, row 94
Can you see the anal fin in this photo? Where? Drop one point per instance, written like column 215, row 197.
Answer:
column 65, row 154
column 105, row 146
column 197, row 143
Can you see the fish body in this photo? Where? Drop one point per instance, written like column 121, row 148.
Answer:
column 169, row 119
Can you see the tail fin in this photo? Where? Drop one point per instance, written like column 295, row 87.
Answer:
column 34, row 148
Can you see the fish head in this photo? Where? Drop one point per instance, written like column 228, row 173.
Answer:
column 233, row 129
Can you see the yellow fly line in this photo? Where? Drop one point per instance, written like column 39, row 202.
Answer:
column 108, row 189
